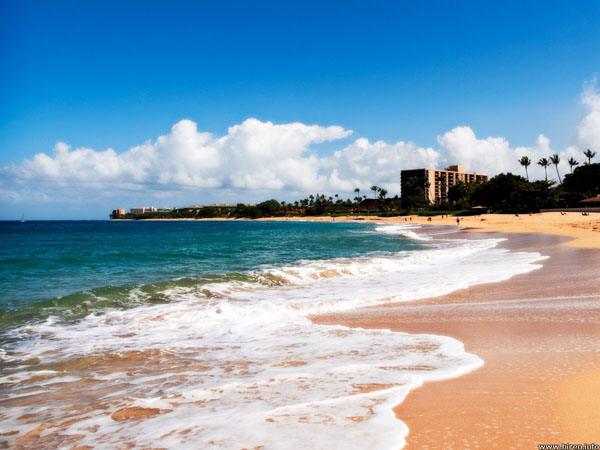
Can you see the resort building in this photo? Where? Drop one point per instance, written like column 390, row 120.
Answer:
column 433, row 184
column 142, row 210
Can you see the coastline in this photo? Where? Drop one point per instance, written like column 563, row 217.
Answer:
column 539, row 336
column 584, row 230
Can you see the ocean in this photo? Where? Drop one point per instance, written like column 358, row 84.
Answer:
column 197, row 334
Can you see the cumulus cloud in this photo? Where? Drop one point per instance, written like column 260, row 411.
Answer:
column 257, row 159
column 362, row 164
column 587, row 133
column 253, row 155
column 491, row 155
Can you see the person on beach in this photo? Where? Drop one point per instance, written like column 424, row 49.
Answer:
column 458, row 221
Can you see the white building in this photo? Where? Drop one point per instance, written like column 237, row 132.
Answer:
column 142, row 210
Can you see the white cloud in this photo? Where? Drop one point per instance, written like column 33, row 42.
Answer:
column 362, row 164
column 492, row 155
column 253, row 155
column 255, row 160
column 587, row 133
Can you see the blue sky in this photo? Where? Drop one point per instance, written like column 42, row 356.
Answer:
column 110, row 74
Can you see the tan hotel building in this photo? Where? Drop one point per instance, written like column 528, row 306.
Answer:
column 434, row 184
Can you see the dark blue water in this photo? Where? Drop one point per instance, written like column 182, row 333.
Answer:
column 65, row 262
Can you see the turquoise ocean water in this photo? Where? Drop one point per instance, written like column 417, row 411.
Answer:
column 89, row 265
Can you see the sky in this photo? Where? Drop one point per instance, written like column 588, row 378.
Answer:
column 107, row 104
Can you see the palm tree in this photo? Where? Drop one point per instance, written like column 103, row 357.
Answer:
column 525, row 162
column 555, row 159
column 374, row 189
column 572, row 163
column 382, row 193
column 545, row 164
column 589, row 155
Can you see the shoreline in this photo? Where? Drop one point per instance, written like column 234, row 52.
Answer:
column 584, row 231
column 539, row 336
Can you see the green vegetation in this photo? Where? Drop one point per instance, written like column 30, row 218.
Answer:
column 545, row 164
column 555, row 159
column 525, row 162
column 589, row 155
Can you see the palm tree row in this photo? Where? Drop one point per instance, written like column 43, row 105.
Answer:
column 555, row 160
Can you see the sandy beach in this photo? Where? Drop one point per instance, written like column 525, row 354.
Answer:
column 538, row 333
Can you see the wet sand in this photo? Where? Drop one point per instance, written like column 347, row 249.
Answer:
column 539, row 335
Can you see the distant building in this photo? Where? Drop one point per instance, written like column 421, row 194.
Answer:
column 433, row 184
column 142, row 210
column 118, row 213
